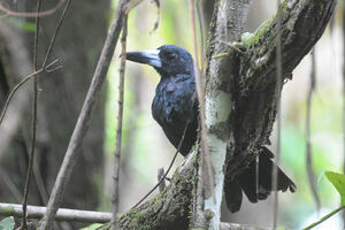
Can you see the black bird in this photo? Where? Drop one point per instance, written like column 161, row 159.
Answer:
column 175, row 108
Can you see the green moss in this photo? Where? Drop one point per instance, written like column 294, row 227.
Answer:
column 254, row 39
column 209, row 214
column 7, row 211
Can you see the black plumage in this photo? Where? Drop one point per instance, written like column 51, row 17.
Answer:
column 175, row 107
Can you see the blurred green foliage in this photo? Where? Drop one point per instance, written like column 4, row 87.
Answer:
column 7, row 223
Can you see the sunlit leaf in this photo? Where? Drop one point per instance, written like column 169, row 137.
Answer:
column 338, row 181
column 7, row 223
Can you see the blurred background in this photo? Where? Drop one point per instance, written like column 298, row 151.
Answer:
column 145, row 147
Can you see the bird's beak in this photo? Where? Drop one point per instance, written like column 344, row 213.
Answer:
column 146, row 57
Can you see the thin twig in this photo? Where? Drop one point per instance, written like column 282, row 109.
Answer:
column 21, row 60
column 13, row 91
column 20, row 84
column 201, row 97
column 31, row 14
column 324, row 218
column 168, row 170
column 117, row 157
column 63, row 214
column 309, row 160
column 277, row 95
column 82, row 125
column 39, row 180
column 57, row 29
column 201, row 19
column 33, row 122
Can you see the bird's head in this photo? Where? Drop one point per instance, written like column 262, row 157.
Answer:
column 168, row 60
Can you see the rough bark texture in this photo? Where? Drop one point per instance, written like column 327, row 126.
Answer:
column 228, row 24
column 255, row 104
column 171, row 208
column 303, row 23
column 60, row 100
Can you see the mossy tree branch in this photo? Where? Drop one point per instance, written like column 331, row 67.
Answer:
column 303, row 22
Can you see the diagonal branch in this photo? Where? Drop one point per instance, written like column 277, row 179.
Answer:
column 303, row 23
column 82, row 125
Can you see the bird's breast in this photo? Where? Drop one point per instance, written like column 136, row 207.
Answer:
column 172, row 104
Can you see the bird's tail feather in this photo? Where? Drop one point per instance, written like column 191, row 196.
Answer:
column 246, row 182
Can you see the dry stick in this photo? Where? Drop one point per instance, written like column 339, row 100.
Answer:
column 117, row 157
column 63, row 214
column 14, row 90
column 324, row 218
column 33, row 14
column 57, row 29
column 309, row 160
column 33, row 122
column 277, row 95
column 39, row 180
column 20, row 84
column 200, row 91
column 201, row 19
column 168, row 170
column 84, row 117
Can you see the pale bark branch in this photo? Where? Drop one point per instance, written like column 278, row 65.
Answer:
column 63, row 214
column 117, row 154
column 303, row 23
column 229, row 21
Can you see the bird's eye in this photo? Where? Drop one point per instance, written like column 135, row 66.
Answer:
column 171, row 56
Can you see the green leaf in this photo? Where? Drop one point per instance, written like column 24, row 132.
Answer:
column 7, row 223
column 92, row 227
column 338, row 181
